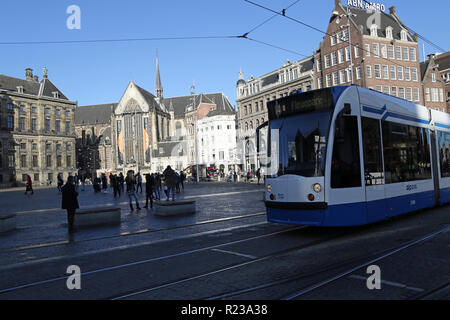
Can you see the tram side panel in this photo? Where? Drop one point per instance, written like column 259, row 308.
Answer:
column 405, row 175
column 442, row 128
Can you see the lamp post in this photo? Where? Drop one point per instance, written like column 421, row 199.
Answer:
column 196, row 149
column 135, row 141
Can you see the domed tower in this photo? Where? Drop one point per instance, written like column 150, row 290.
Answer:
column 240, row 84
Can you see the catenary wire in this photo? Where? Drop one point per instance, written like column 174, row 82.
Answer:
column 275, row 15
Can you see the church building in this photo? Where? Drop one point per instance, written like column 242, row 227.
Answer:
column 143, row 131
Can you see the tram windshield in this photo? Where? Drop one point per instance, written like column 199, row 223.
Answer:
column 298, row 144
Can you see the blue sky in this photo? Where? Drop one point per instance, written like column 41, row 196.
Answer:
column 95, row 73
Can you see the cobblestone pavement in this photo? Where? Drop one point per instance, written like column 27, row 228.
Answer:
column 41, row 220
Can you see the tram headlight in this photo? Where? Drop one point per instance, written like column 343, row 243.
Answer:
column 269, row 188
column 317, row 187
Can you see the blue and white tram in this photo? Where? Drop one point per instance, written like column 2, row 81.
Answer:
column 346, row 156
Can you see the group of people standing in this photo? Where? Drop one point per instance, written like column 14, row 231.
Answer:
column 170, row 181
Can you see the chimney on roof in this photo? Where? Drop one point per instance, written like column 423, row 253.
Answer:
column 431, row 57
column 29, row 74
column 36, row 78
column 392, row 10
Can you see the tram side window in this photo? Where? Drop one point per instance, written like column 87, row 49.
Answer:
column 444, row 153
column 406, row 153
column 346, row 166
column 373, row 161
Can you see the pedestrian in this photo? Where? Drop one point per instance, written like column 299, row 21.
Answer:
column 139, row 182
column 76, row 180
column 249, row 175
column 122, row 182
column 60, row 182
column 170, row 181
column 70, row 202
column 116, row 185
column 104, row 182
column 157, row 186
column 29, row 186
column 183, row 178
column 149, row 183
column 131, row 189
column 177, row 181
column 83, row 181
column 96, row 185
column 235, row 176
column 258, row 174
column 194, row 177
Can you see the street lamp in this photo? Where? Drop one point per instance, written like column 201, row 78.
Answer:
column 196, row 149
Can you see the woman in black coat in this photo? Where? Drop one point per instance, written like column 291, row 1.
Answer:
column 70, row 202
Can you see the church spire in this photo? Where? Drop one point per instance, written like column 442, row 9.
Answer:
column 158, row 85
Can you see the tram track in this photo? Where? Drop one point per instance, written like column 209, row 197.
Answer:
column 140, row 262
column 125, row 234
column 379, row 257
column 182, row 280
column 360, row 261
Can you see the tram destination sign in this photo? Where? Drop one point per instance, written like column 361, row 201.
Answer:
column 311, row 101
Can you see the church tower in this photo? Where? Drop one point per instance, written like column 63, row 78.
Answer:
column 158, row 85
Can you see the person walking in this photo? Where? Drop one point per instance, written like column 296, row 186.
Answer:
column 258, row 174
column 76, row 180
column 170, row 181
column 29, row 186
column 116, row 185
column 139, row 182
column 149, row 183
column 83, row 181
column 131, row 189
column 177, row 181
column 60, row 182
column 122, row 182
column 183, row 178
column 157, row 186
column 70, row 202
column 104, row 182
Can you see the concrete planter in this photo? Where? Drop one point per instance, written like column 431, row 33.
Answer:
column 94, row 217
column 7, row 222
column 174, row 208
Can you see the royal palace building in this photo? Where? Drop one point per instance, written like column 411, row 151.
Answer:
column 37, row 132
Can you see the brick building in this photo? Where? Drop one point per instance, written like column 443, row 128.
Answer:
column 433, row 86
column 37, row 136
column 443, row 63
column 384, row 53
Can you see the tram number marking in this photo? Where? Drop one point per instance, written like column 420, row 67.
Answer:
column 411, row 187
column 280, row 196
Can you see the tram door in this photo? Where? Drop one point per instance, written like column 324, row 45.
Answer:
column 373, row 169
